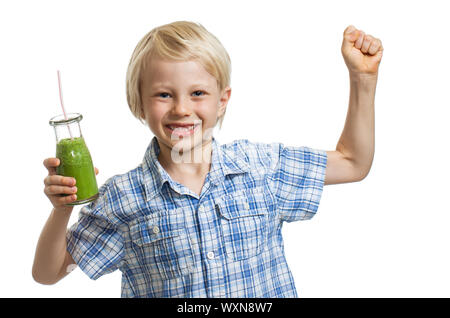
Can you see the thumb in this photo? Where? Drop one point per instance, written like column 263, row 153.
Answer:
column 351, row 34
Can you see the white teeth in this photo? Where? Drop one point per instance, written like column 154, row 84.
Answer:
column 181, row 128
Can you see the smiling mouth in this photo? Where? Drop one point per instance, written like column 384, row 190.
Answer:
column 182, row 130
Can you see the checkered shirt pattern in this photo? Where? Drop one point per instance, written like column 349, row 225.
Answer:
column 226, row 242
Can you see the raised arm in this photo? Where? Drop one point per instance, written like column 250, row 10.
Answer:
column 352, row 159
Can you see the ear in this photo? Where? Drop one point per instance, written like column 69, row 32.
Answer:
column 223, row 101
column 142, row 113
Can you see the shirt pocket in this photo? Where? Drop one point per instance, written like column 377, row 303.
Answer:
column 161, row 249
column 243, row 223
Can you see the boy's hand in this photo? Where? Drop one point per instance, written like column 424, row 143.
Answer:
column 56, row 186
column 362, row 53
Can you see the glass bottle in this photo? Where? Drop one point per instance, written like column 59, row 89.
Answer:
column 74, row 156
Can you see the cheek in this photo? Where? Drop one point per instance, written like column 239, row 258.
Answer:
column 153, row 113
column 208, row 111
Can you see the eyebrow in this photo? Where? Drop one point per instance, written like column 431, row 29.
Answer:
column 198, row 85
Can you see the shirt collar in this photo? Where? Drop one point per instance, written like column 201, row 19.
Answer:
column 223, row 162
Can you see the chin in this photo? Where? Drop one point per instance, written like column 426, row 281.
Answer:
column 184, row 142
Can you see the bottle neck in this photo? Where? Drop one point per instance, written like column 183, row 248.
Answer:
column 68, row 131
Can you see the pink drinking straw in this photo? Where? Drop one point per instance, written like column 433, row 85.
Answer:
column 62, row 103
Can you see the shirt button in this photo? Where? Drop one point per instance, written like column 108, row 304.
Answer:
column 201, row 209
column 246, row 206
column 210, row 255
column 155, row 230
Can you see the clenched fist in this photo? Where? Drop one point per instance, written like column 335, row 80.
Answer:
column 362, row 52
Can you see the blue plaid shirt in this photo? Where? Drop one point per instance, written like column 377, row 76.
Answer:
column 169, row 242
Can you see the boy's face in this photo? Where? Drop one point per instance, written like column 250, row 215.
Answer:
column 181, row 93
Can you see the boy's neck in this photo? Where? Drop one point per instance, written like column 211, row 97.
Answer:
column 190, row 165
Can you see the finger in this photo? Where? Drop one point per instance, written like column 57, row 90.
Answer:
column 349, row 29
column 59, row 180
column 67, row 199
column 96, row 170
column 359, row 42
column 367, row 41
column 374, row 46
column 351, row 34
column 55, row 189
column 51, row 164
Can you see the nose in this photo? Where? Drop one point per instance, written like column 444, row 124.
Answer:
column 181, row 108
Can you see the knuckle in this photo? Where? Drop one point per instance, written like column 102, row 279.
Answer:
column 51, row 190
column 61, row 180
column 374, row 45
column 58, row 190
column 51, row 180
column 65, row 190
column 48, row 191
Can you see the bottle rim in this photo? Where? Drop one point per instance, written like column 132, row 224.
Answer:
column 61, row 120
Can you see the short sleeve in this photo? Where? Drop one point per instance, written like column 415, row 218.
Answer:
column 93, row 241
column 298, row 179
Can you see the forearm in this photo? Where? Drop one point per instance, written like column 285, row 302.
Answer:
column 357, row 142
column 51, row 248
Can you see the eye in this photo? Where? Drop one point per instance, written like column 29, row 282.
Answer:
column 161, row 94
column 201, row 92
column 196, row 94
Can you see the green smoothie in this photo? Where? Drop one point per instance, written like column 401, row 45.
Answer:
column 76, row 162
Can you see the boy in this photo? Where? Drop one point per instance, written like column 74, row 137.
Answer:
column 196, row 218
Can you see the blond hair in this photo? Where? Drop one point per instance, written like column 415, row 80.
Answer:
column 177, row 41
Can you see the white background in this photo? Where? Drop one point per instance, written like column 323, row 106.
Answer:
column 386, row 236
